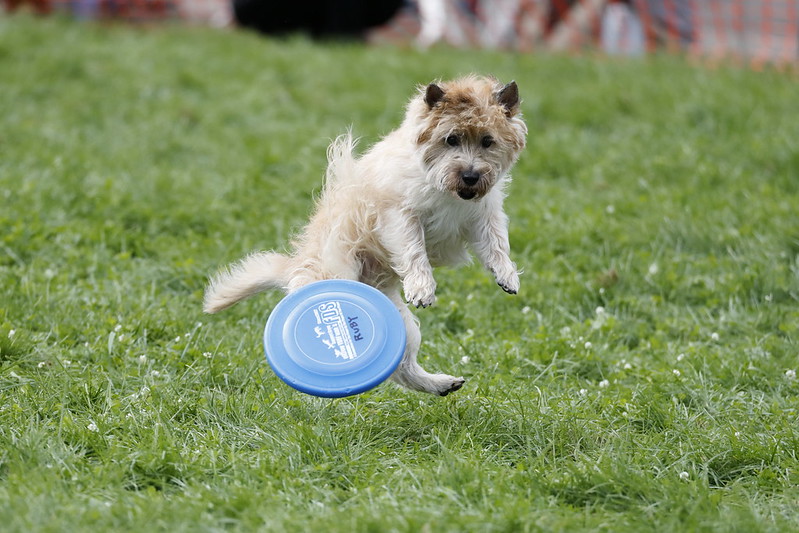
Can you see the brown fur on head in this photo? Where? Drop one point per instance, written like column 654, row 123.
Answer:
column 470, row 133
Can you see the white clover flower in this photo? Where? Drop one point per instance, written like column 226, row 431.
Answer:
column 177, row 339
column 604, row 383
column 790, row 374
column 681, row 357
column 142, row 358
column 465, row 359
column 66, row 362
column 714, row 336
column 583, row 392
column 92, row 427
column 11, row 333
column 587, row 345
column 199, row 324
column 207, row 354
column 737, row 433
column 599, row 310
column 117, row 328
column 610, row 209
column 653, row 269
column 676, row 372
column 627, row 366
column 525, row 309
column 684, row 476
column 155, row 373
column 768, row 297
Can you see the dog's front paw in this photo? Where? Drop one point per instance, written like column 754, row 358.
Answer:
column 420, row 291
column 509, row 281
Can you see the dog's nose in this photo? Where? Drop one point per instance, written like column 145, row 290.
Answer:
column 470, row 177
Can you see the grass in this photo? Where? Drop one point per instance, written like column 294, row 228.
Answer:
column 640, row 381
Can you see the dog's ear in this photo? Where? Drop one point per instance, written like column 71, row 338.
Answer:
column 508, row 97
column 433, row 95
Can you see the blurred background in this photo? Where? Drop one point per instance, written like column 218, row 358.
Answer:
column 755, row 32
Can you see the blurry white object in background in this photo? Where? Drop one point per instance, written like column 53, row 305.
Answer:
column 433, row 14
column 622, row 32
column 500, row 22
column 440, row 21
column 209, row 12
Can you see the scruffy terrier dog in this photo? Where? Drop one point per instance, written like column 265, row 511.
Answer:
column 421, row 197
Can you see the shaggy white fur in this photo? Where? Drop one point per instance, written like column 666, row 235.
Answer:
column 421, row 197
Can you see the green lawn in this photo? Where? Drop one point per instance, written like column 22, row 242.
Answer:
column 642, row 380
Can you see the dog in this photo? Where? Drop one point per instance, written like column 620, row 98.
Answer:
column 423, row 196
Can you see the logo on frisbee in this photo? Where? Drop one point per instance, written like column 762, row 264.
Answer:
column 337, row 331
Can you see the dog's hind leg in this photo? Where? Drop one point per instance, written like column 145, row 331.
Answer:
column 409, row 373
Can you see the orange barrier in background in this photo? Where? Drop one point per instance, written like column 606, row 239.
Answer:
column 757, row 32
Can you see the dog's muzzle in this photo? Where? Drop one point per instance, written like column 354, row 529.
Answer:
column 470, row 177
column 466, row 188
column 467, row 194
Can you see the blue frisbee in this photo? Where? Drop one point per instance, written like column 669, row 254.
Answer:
column 334, row 338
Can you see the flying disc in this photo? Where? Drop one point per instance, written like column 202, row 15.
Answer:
column 334, row 338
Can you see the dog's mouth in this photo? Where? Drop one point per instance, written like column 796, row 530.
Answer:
column 467, row 194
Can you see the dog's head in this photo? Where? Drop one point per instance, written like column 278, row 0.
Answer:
column 470, row 133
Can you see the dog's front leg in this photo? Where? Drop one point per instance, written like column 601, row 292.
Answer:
column 402, row 235
column 491, row 245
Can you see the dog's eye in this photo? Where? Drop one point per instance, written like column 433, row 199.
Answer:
column 487, row 141
column 453, row 140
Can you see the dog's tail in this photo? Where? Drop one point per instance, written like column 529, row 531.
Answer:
column 255, row 273
column 340, row 162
